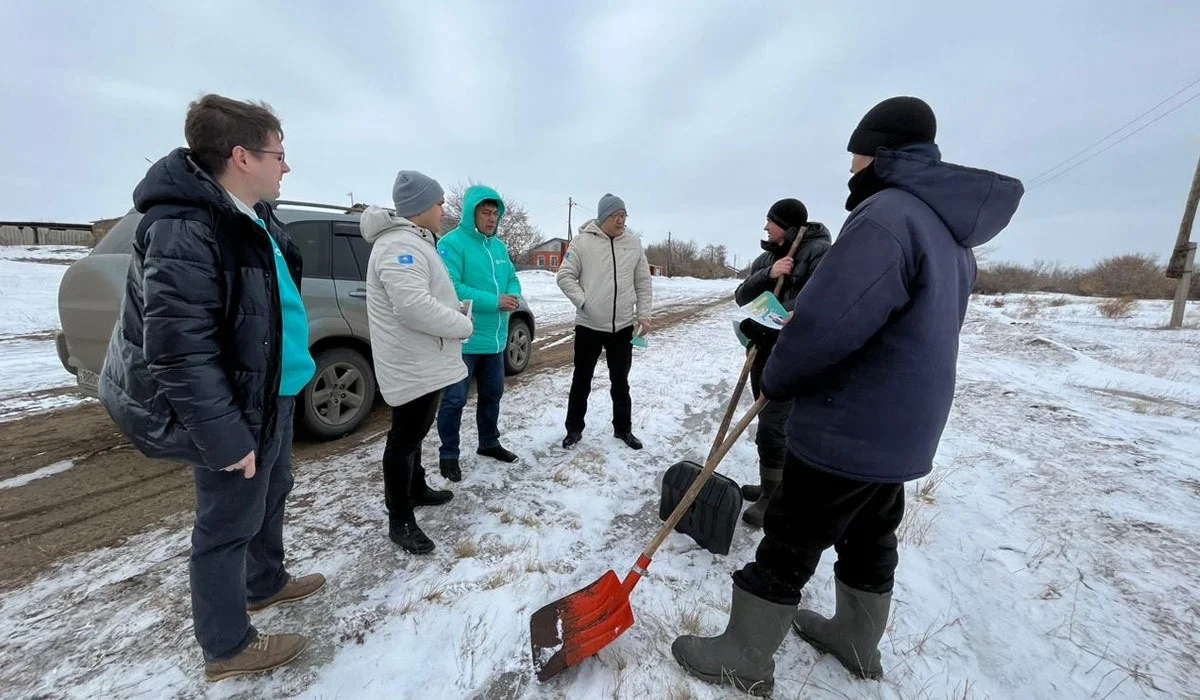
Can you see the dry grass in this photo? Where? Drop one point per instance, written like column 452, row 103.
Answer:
column 1031, row 307
column 1055, row 302
column 561, row 476
column 689, row 621
column 1119, row 307
column 466, row 548
column 996, row 303
column 917, row 523
column 501, row 578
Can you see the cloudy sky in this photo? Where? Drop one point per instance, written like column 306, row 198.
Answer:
column 699, row 114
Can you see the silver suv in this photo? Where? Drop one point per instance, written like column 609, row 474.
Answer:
column 339, row 397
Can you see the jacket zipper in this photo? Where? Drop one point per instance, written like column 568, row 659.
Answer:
column 612, row 244
column 495, row 283
column 274, row 352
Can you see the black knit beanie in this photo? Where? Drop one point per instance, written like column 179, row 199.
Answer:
column 895, row 122
column 788, row 213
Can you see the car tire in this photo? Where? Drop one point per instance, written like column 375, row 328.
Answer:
column 340, row 395
column 519, row 349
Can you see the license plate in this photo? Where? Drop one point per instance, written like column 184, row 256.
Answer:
column 88, row 381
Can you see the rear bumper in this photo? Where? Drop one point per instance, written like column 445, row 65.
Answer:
column 64, row 355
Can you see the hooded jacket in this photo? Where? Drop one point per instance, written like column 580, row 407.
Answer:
column 869, row 355
column 193, row 367
column 607, row 279
column 816, row 241
column 412, row 310
column 482, row 271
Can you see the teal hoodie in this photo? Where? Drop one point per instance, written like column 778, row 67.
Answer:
column 481, row 271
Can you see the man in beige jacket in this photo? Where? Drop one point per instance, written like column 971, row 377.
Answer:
column 417, row 332
column 606, row 276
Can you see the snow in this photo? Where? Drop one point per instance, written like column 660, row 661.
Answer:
column 1051, row 554
column 56, row 468
column 28, row 319
column 551, row 307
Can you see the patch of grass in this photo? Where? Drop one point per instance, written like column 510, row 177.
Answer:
column 1031, row 307
column 434, row 592
column 915, row 527
column 689, row 621
column 535, row 566
column 996, row 303
column 561, row 476
column 465, row 549
column 1055, row 302
column 500, row 578
column 1118, row 307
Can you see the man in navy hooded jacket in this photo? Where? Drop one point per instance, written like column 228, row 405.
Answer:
column 868, row 360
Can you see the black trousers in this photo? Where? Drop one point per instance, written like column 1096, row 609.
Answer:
column 771, row 435
column 402, row 470
column 814, row 510
column 618, row 353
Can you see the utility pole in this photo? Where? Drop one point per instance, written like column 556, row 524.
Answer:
column 670, row 255
column 351, row 196
column 570, row 206
column 1184, row 256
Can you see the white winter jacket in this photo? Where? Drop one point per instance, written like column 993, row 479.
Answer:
column 417, row 331
column 607, row 279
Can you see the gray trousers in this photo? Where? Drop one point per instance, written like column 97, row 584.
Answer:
column 237, row 543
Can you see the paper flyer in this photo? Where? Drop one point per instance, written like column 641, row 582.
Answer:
column 767, row 310
column 465, row 307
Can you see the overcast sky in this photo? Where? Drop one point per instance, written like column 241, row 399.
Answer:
column 699, row 114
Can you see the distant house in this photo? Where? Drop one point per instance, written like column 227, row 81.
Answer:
column 547, row 255
column 658, row 270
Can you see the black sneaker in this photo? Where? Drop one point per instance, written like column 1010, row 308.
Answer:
column 411, row 538
column 431, row 497
column 571, row 440
column 630, row 439
column 449, row 469
column 497, row 452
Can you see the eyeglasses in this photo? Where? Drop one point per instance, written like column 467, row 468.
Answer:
column 281, row 154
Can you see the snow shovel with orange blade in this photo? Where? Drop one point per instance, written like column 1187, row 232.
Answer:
column 571, row 629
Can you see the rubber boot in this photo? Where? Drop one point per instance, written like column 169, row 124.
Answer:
column 854, row 632
column 751, row 492
column 744, row 654
column 771, row 478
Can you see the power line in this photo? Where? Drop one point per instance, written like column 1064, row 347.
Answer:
column 1115, row 131
column 1114, row 143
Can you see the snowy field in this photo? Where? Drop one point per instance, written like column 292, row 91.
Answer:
column 29, row 364
column 1051, row 554
column 29, row 279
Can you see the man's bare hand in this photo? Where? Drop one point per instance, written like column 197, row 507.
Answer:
column 508, row 302
column 246, row 466
column 646, row 327
column 781, row 267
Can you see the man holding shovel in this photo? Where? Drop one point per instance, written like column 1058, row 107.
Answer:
column 868, row 359
column 786, row 219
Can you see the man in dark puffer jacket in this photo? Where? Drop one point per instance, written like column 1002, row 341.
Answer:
column 210, row 348
column 869, row 361
column 786, row 219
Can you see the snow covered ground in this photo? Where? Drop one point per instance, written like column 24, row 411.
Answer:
column 1051, row 554
column 29, row 277
column 551, row 307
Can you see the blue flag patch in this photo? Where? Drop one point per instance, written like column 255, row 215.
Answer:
column 405, row 260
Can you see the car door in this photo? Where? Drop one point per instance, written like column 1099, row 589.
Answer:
column 314, row 239
column 351, row 252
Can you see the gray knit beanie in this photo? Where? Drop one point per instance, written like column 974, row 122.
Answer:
column 414, row 193
column 609, row 204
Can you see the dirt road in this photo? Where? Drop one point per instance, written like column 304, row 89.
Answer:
column 112, row 491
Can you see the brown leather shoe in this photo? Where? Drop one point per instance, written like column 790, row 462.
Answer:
column 269, row 651
column 295, row 589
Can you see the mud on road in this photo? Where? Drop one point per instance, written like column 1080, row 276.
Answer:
column 112, row 492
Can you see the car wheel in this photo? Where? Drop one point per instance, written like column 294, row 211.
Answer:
column 340, row 395
column 519, row 348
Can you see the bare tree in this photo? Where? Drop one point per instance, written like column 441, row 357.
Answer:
column 688, row 259
column 516, row 230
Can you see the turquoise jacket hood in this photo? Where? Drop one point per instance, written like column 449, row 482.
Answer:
column 480, row 267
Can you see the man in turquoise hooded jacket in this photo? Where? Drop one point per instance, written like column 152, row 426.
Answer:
column 483, row 275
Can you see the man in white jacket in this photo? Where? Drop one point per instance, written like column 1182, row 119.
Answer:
column 606, row 276
column 417, row 332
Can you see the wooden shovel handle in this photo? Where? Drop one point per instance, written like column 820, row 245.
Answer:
column 710, row 465
column 737, row 391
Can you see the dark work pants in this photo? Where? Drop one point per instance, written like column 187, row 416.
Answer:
column 771, row 435
column 618, row 353
column 237, row 543
column 814, row 510
column 487, row 373
column 402, row 454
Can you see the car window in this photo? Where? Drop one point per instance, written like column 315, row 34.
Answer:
column 312, row 238
column 345, row 264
